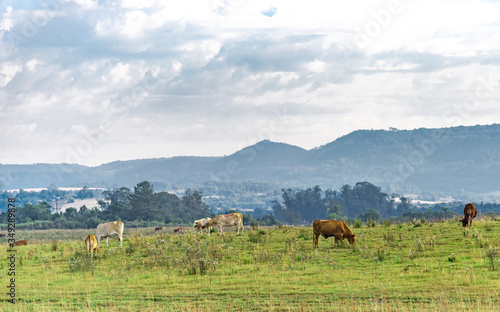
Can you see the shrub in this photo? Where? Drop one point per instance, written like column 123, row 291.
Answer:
column 380, row 254
column 197, row 261
column 389, row 238
column 81, row 263
column 358, row 223
column 451, row 257
column 371, row 223
column 306, row 234
column 256, row 237
column 492, row 254
column 55, row 245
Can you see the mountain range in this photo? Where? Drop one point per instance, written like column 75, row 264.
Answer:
column 459, row 161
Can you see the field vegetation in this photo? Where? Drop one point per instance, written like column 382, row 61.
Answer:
column 414, row 266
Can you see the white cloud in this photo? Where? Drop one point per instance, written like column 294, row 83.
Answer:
column 7, row 72
column 222, row 69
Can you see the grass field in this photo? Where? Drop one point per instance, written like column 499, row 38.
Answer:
column 398, row 267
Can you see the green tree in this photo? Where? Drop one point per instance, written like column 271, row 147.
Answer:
column 193, row 206
column 303, row 205
column 144, row 203
column 116, row 204
column 363, row 196
column 170, row 206
column 370, row 214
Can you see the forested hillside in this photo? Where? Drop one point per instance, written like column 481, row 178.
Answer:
column 462, row 162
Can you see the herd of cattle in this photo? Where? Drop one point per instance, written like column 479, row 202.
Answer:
column 325, row 228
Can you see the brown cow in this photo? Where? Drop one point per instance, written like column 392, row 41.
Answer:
column 470, row 212
column 328, row 228
column 23, row 242
column 159, row 228
column 178, row 230
column 91, row 245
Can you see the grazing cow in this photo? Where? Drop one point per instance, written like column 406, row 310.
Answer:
column 231, row 219
column 2, row 234
column 91, row 245
column 110, row 229
column 202, row 224
column 23, row 242
column 159, row 228
column 470, row 212
column 178, row 230
column 328, row 228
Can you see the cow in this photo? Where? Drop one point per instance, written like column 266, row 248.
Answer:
column 91, row 245
column 159, row 228
column 470, row 212
column 2, row 234
column 110, row 229
column 178, row 230
column 23, row 242
column 202, row 224
column 328, row 228
column 231, row 219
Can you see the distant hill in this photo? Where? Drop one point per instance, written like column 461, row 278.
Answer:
column 457, row 161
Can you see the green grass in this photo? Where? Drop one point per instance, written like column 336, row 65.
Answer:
column 431, row 267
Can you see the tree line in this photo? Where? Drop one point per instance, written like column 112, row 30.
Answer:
column 363, row 201
column 141, row 207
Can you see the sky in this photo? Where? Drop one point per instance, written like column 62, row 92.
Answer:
column 91, row 82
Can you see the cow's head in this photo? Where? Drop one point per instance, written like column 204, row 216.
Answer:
column 352, row 239
column 464, row 222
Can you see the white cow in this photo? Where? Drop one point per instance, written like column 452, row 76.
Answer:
column 202, row 224
column 110, row 229
column 228, row 220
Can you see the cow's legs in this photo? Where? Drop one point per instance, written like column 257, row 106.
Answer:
column 121, row 239
column 106, row 242
column 315, row 240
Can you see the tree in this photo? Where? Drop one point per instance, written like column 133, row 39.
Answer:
column 193, row 206
column 116, row 204
column 84, row 193
column 363, row 196
column 144, row 203
column 268, row 220
column 303, row 205
column 404, row 205
column 169, row 205
column 42, row 211
column 370, row 214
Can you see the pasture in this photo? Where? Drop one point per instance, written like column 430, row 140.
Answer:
column 393, row 267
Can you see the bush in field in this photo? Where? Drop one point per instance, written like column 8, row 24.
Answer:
column 81, row 262
column 371, row 223
column 196, row 260
column 492, row 254
column 256, row 236
column 358, row 223
column 389, row 238
column 306, row 234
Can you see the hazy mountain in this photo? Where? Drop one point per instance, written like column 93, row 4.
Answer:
column 458, row 160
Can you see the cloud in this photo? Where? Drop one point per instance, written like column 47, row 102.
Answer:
column 151, row 79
